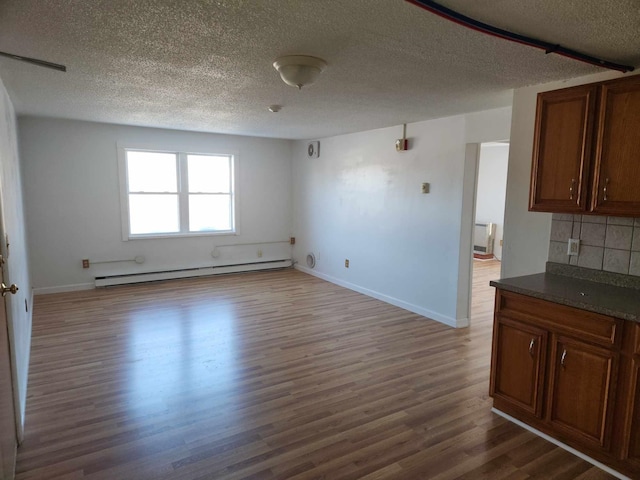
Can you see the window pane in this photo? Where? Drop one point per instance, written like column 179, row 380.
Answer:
column 152, row 172
column 153, row 214
column 209, row 174
column 209, row 212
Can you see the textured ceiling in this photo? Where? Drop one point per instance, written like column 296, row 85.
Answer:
column 206, row 64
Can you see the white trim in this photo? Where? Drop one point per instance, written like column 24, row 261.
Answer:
column 122, row 183
column 564, row 446
column 156, row 236
column 22, row 412
column 467, row 221
column 182, row 193
column 63, row 288
column 452, row 322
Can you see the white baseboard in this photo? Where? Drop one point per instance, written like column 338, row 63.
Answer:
column 452, row 322
column 63, row 288
column 564, row 446
column 154, row 276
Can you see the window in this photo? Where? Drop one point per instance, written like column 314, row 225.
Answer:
column 176, row 193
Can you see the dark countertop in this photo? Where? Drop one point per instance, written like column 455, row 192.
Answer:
column 616, row 301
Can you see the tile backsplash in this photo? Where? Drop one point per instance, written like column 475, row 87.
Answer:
column 611, row 244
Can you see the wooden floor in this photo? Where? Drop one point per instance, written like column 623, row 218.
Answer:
column 270, row 375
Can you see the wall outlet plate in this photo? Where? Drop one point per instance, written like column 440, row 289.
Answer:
column 573, row 247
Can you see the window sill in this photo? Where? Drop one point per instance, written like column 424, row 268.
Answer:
column 180, row 235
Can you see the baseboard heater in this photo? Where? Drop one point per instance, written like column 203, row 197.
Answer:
column 483, row 235
column 115, row 279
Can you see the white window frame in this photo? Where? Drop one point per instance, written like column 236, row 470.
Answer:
column 183, row 193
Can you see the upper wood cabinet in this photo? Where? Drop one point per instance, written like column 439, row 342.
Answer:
column 562, row 149
column 586, row 153
column 616, row 183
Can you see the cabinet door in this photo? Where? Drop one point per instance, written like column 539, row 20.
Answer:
column 632, row 427
column 562, row 149
column 582, row 381
column 517, row 365
column 617, row 153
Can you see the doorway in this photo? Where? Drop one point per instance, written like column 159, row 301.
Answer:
column 491, row 187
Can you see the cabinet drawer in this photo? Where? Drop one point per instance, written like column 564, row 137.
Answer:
column 588, row 326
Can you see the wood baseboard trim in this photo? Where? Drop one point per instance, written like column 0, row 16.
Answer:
column 564, row 446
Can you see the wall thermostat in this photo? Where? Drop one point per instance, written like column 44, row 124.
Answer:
column 313, row 149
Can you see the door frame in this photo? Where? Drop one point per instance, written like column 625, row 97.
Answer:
column 468, row 220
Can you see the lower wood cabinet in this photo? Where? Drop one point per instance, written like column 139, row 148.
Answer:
column 572, row 374
column 632, row 449
column 581, row 390
column 519, row 357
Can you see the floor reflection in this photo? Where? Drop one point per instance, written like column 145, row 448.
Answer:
column 180, row 354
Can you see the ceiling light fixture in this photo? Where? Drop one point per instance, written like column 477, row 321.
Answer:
column 299, row 70
column 275, row 108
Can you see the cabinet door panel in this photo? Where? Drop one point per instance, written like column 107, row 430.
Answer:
column 633, row 422
column 617, row 154
column 562, row 149
column 580, row 392
column 518, row 358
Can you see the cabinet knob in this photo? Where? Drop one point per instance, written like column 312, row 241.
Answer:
column 573, row 184
column 564, row 356
column 531, row 345
column 604, row 190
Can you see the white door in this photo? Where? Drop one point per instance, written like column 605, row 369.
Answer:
column 8, row 442
column 8, row 435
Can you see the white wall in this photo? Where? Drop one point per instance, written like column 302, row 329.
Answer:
column 17, row 267
column 492, row 188
column 73, row 206
column 526, row 234
column 361, row 201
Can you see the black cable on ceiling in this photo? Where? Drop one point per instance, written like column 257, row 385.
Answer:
column 35, row 61
column 468, row 22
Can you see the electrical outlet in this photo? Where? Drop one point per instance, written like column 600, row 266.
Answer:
column 259, row 253
column 85, row 263
column 346, row 263
column 574, row 246
column 292, row 241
